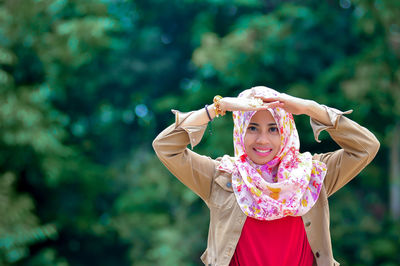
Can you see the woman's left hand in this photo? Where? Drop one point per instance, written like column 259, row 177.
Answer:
column 299, row 106
column 291, row 104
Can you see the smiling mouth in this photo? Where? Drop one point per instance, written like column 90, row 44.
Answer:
column 262, row 152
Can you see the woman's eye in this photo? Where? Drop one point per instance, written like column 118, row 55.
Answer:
column 274, row 130
column 252, row 128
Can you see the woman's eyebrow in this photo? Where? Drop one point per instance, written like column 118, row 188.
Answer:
column 269, row 124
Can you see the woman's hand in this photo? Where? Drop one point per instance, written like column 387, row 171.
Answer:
column 299, row 106
column 294, row 105
column 255, row 102
column 246, row 104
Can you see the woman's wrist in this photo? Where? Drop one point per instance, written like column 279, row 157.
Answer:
column 217, row 106
column 223, row 104
column 317, row 112
column 211, row 111
column 200, row 117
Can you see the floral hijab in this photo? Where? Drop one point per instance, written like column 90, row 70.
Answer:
column 289, row 184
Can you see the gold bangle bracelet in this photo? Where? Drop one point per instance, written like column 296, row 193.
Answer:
column 217, row 106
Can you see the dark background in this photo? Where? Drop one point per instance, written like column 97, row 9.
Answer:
column 86, row 85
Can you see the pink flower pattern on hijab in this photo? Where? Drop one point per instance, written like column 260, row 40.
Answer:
column 289, row 184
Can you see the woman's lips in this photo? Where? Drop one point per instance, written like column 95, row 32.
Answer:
column 262, row 151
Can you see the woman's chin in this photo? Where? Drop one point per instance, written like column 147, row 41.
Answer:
column 260, row 161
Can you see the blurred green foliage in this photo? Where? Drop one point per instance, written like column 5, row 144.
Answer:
column 86, row 85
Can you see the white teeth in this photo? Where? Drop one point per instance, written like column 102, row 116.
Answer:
column 263, row 150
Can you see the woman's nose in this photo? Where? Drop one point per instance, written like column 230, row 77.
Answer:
column 263, row 139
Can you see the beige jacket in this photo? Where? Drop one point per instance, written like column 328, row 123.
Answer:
column 200, row 174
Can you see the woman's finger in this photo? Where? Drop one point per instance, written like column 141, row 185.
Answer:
column 265, row 106
column 275, row 104
column 269, row 99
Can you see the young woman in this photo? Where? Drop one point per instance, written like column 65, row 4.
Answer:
column 269, row 203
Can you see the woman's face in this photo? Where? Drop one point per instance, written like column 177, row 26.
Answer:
column 262, row 140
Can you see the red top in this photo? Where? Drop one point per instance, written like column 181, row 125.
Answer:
column 277, row 242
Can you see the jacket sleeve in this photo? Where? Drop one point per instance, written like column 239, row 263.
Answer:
column 193, row 170
column 358, row 147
